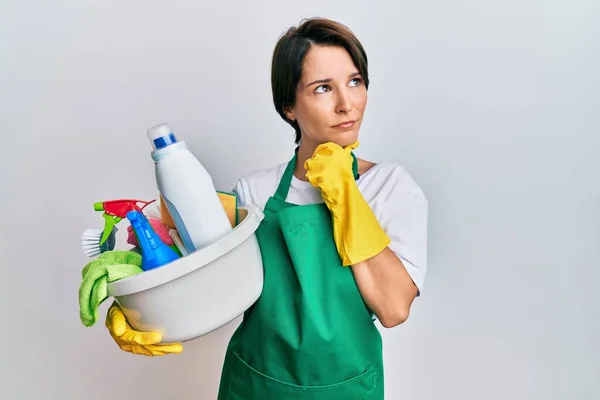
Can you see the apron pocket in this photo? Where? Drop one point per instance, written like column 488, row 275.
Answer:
column 246, row 383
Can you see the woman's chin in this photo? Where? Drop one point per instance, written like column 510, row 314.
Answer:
column 345, row 139
column 342, row 139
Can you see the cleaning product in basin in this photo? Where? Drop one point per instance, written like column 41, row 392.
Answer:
column 229, row 202
column 187, row 190
column 115, row 211
column 154, row 251
column 161, row 230
column 90, row 242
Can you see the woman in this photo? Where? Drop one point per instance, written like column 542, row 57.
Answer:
column 343, row 240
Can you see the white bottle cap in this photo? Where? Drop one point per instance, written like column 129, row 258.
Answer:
column 161, row 136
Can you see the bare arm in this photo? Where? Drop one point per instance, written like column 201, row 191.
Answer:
column 386, row 287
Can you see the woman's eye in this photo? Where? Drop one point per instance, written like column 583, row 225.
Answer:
column 355, row 82
column 322, row 89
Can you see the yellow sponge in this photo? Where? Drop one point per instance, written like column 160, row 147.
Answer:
column 228, row 200
column 165, row 215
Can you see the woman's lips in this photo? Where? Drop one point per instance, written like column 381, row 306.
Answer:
column 345, row 125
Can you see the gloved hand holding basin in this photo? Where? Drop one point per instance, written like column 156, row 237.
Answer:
column 136, row 342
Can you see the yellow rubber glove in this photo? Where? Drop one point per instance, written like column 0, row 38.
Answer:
column 357, row 233
column 144, row 343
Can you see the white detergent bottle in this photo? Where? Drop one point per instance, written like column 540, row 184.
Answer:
column 188, row 191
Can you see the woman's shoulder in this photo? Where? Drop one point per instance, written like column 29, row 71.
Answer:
column 257, row 186
column 385, row 179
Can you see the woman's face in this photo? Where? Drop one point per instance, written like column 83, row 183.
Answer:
column 331, row 98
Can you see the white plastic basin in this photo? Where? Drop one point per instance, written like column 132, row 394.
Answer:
column 199, row 293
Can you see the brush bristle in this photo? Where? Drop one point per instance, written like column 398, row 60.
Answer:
column 90, row 242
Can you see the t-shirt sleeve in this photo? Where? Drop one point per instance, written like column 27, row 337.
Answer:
column 238, row 190
column 256, row 187
column 404, row 217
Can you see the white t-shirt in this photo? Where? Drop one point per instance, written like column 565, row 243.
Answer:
column 397, row 201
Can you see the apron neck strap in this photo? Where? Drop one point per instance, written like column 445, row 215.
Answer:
column 286, row 180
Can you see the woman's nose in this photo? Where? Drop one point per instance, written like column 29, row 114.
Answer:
column 344, row 104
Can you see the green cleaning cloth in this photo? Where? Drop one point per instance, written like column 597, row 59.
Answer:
column 97, row 274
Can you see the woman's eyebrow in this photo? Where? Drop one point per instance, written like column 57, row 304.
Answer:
column 327, row 80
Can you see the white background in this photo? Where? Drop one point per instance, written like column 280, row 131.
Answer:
column 492, row 107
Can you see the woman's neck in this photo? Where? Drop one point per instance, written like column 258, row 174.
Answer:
column 305, row 151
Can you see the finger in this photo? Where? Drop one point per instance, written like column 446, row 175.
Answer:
column 173, row 348
column 309, row 164
column 314, row 162
column 135, row 349
column 330, row 148
column 145, row 338
column 320, row 148
column 314, row 182
column 352, row 146
column 116, row 321
column 153, row 350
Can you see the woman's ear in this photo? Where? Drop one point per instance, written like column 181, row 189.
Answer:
column 289, row 113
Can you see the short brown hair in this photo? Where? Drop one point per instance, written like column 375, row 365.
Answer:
column 291, row 50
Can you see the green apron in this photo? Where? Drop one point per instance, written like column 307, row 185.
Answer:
column 309, row 335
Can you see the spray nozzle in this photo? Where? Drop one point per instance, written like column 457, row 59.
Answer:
column 115, row 211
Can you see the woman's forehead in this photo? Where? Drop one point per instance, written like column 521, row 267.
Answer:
column 324, row 62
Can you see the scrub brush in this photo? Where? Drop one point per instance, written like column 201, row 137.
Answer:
column 90, row 242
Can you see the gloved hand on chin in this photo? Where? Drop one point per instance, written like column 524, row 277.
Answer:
column 144, row 343
column 357, row 233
